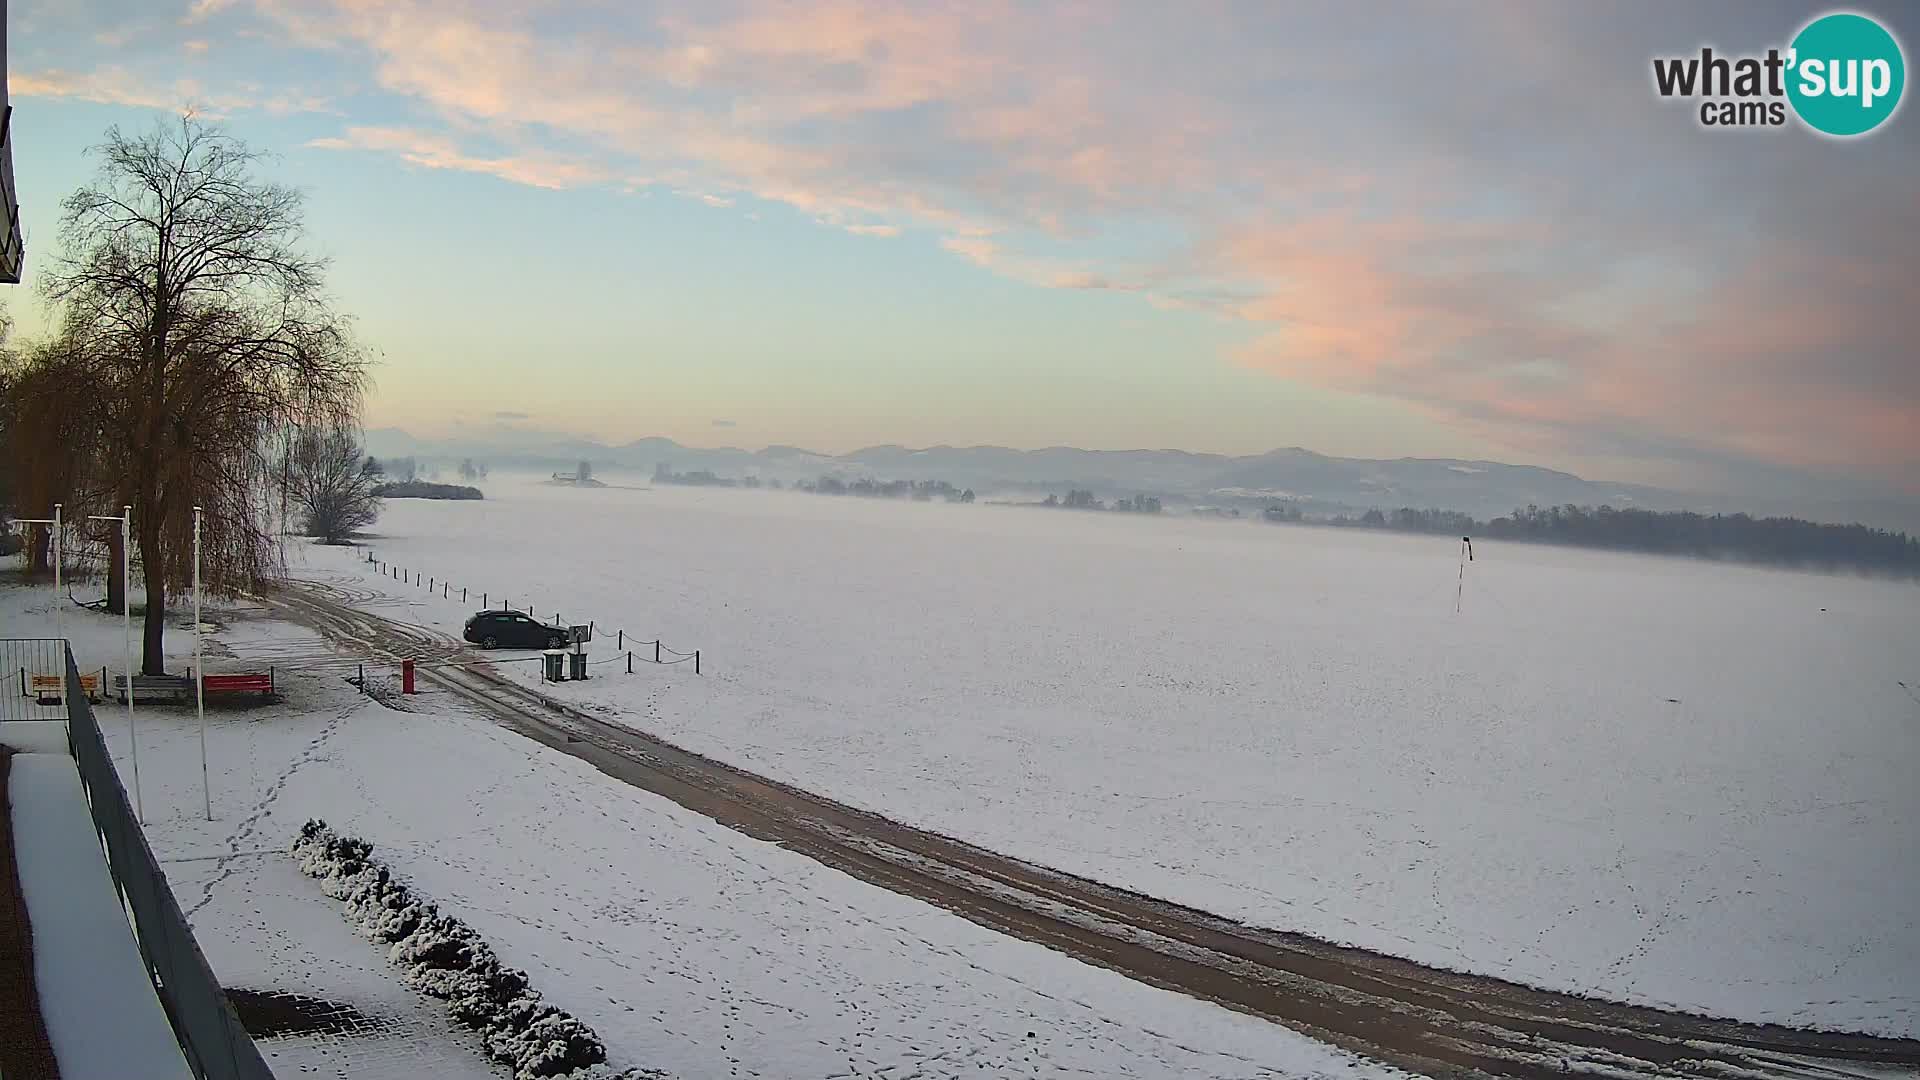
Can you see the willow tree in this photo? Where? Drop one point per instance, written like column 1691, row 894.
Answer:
column 183, row 276
column 53, row 443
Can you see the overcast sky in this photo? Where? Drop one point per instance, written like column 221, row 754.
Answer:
column 1366, row 229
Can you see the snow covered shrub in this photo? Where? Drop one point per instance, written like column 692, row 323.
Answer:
column 443, row 957
column 553, row 1045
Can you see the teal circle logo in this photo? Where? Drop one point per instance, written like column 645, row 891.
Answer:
column 1845, row 74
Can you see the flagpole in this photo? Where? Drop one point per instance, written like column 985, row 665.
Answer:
column 59, row 597
column 200, row 675
column 126, row 633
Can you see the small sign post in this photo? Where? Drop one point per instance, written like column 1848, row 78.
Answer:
column 578, row 636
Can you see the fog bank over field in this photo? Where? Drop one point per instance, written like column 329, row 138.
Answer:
column 1317, row 482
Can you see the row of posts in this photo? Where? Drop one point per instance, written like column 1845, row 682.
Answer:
column 549, row 669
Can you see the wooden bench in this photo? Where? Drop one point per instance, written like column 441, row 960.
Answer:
column 156, row 688
column 248, row 684
column 52, row 689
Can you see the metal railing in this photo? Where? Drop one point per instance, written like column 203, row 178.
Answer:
column 211, row 1037
column 33, row 679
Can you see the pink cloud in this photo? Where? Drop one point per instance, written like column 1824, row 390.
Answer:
column 436, row 152
column 118, row 86
column 1476, row 326
column 975, row 249
column 1510, row 277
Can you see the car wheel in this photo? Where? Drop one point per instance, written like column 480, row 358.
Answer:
column 554, row 643
column 489, row 642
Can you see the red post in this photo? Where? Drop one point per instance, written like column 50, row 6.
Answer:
column 406, row 676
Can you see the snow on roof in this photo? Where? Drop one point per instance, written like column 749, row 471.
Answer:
column 35, row 736
column 88, row 969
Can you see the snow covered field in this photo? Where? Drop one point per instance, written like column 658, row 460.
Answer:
column 688, row 947
column 1662, row 781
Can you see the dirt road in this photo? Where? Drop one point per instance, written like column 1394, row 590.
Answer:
column 1404, row 1014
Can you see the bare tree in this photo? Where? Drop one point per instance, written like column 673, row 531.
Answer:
column 182, row 276
column 331, row 485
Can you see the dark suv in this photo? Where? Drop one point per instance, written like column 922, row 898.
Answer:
column 513, row 630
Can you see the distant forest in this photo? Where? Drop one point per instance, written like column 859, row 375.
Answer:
column 1778, row 541
column 865, row 487
column 918, row 490
column 1079, row 499
column 421, row 489
column 1774, row 540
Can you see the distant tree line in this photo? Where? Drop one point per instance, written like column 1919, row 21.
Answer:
column 664, row 474
column 423, row 489
column 1078, row 499
column 1776, row 540
column 869, row 488
column 395, row 468
column 1407, row 519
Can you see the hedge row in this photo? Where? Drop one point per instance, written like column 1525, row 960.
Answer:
column 442, row 956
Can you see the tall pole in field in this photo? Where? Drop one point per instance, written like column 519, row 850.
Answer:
column 1460, row 582
column 200, row 676
column 126, row 632
column 59, row 597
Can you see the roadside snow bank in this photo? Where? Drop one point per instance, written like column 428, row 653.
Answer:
column 441, row 956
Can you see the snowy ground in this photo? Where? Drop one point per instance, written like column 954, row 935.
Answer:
column 686, row 946
column 1662, row 781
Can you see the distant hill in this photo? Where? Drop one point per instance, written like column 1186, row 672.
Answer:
column 1316, row 482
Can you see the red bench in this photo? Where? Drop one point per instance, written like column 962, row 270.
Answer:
column 255, row 685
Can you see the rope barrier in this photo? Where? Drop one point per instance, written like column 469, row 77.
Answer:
column 445, row 588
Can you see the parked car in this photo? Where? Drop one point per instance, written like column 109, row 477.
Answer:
column 513, row 630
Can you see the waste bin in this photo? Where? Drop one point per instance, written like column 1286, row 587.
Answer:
column 577, row 664
column 553, row 665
